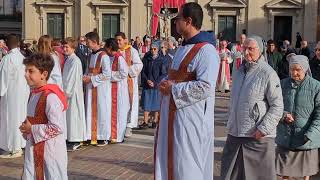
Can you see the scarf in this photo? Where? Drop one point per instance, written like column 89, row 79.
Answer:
column 53, row 88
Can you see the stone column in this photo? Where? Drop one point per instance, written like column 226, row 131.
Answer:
column 123, row 20
column 97, row 19
column 68, row 30
column 215, row 21
column 41, row 20
column 270, row 24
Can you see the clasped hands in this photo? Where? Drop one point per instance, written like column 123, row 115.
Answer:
column 86, row 79
column 25, row 127
column 165, row 87
column 150, row 83
column 288, row 118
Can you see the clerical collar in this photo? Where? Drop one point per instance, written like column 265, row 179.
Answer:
column 202, row 36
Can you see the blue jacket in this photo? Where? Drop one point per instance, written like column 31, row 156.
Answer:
column 154, row 69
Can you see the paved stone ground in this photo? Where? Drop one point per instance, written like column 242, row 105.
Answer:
column 132, row 159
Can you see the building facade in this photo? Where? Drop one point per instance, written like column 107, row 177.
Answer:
column 272, row 19
column 10, row 17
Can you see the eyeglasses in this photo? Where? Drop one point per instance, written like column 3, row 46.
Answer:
column 249, row 48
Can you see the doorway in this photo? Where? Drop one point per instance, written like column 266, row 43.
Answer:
column 282, row 29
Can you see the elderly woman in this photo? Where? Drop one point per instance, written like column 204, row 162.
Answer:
column 298, row 132
column 172, row 42
column 256, row 106
column 153, row 71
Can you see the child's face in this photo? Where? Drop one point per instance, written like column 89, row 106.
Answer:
column 68, row 50
column 34, row 77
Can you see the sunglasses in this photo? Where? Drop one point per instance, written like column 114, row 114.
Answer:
column 153, row 49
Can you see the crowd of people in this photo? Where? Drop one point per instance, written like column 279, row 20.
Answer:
column 90, row 95
column 59, row 95
column 274, row 100
column 276, row 54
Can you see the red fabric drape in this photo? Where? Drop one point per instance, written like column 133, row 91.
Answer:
column 157, row 5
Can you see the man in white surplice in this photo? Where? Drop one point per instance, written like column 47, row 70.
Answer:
column 119, row 93
column 14, row 92
column 97, row 79
column 185, row 135
column 135, row 64
column 72, row 84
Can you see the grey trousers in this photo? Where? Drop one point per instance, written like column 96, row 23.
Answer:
column 248, row 159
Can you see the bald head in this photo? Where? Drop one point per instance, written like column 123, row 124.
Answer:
column 242, row 38
column 2, row 43
column 304, row 44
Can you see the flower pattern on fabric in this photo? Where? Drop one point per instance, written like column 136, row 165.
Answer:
column 51, row 132
column 195, row 91
column 102, row 77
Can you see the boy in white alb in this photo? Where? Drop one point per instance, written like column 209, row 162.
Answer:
column 45, row 152
column 73, row 89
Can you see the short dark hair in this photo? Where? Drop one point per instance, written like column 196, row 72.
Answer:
column 93, row 36
column 194, row 11
column 122, row 34
column 12, row 40
column 270, row 41
column 111, row 43
column 41, row 61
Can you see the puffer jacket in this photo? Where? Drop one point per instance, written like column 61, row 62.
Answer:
column 256, row 100
column 303, row 102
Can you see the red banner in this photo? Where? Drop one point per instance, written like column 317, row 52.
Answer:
column 157, row 5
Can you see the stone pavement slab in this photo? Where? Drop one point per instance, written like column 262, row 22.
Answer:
column 132, row 159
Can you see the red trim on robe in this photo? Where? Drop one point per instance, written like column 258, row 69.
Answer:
column 227, row 69
column 53, row 88
column 144, row 49
column 180, row 75
column 114, row 97
column 238, row 60
column 94, row 101
column 40, row 117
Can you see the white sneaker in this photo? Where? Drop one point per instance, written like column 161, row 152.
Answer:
column 12, row 154
column 128, row 132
